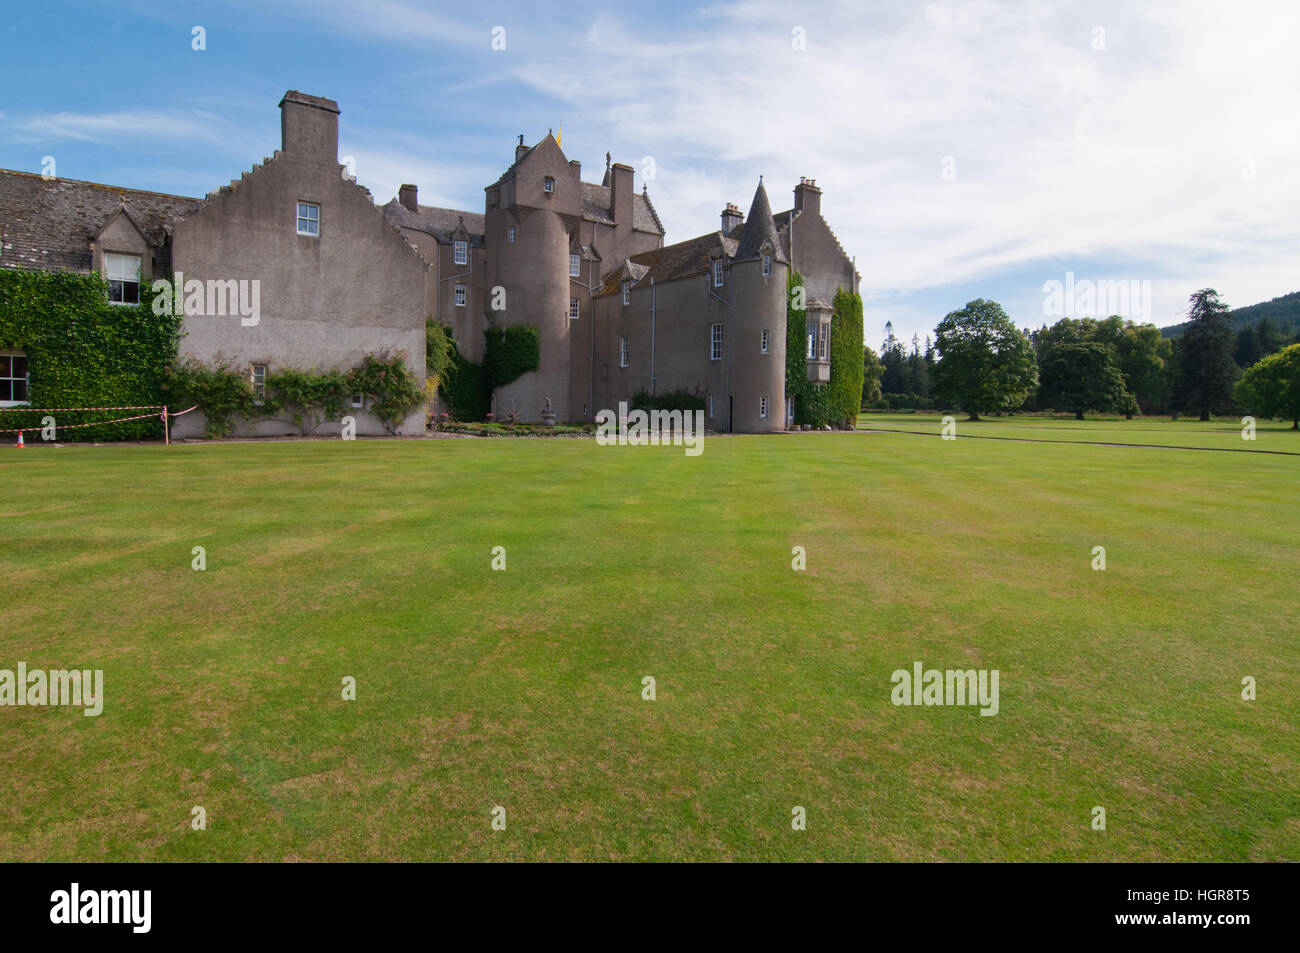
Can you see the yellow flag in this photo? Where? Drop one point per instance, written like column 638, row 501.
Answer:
column 559, row 139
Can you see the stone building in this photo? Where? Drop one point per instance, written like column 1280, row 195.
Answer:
column 336, row 277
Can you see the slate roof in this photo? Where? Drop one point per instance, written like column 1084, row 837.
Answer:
column 759, row 228
column 48, row 225
column 596, row 208
column 672, row 262
column 438, row 222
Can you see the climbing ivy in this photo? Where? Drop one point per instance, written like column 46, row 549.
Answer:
column 511, row 352
column 844, row 389
column 810, row 404
column 84, row 352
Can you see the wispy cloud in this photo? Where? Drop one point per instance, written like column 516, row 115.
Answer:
column 104, row 127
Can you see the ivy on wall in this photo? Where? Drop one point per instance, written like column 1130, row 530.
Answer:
column 810, row 404
column 839, row 399
column 511, row 352
column 844, row 389
column 84, row 352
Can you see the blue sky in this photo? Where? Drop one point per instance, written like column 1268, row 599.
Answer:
column 965, row 149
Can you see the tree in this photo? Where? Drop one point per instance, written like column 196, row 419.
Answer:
column 1208, row 370
column 985, row 362
column 872, row 370
column 1271, row 387
column 1082, row 377
column 1144, row 358
column 894, row 378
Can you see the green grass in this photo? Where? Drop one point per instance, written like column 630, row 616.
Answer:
column 477, row 688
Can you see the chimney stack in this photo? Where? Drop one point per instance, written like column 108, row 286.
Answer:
column 521, row 148
column 408, row 195
column 620, row 193
column 731, row 217
column 807, row 197
column 309, row 127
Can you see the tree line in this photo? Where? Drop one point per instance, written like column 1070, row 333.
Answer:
column 980, row 362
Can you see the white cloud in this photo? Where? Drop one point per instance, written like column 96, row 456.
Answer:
column 1063, row 152
column 103, row 127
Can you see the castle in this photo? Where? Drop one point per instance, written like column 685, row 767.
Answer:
column 617, row 311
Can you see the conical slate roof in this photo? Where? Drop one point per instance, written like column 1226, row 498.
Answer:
column 759, row 228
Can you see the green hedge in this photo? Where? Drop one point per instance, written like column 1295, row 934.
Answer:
column 84, row 352
column 672, row 400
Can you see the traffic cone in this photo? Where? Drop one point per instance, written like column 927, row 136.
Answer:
column 20, row 440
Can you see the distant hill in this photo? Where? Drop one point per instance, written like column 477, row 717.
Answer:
column 1284, row 312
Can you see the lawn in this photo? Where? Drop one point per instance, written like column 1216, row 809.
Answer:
column 476, row 688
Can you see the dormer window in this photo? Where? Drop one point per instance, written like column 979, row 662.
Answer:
column 460, row 251
column 309, row 219
column 548, row 185
column 575, row 266
column 627, row 292
column 767, row 265
column 122, row 272
column 717, row 272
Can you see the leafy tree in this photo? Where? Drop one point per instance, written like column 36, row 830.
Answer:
column 894, row 378
column 985, row 362
column 1082, row 377
column 1144, row 358
column 1271, row 387
column 1207, row 368
column 872, row 370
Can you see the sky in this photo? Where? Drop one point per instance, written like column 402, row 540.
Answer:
column 965, row 150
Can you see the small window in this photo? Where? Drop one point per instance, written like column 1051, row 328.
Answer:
column 821, row 341
column 622, row 352
column 460, row 252
column 549, row 184
column 309, row 219
column 258, row 377
column 767, row 265
column 575, row 266
column 358, row 400
column 715, row 342
column 122, row 272
column 13, row 379
column 627, row 292
column 717, row 273
column 460, row 296
column 763, row 342
column 510, row 235
column 762, row 407
column 573, row 309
